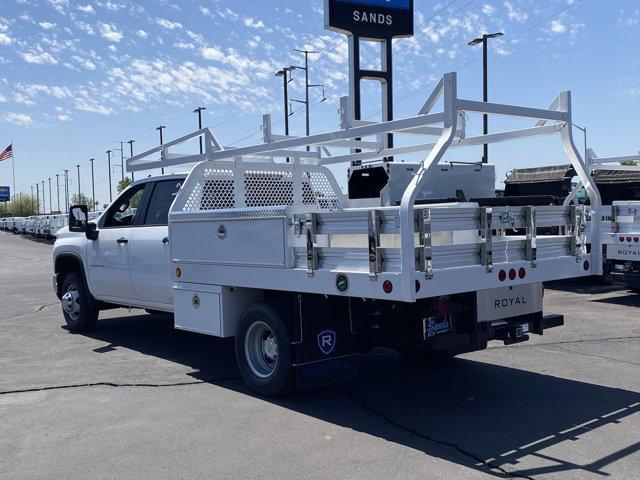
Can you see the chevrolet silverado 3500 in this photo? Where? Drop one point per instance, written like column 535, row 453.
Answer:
column 418, row 257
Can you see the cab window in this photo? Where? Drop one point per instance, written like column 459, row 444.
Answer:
column 123, row 212
column 161, row 199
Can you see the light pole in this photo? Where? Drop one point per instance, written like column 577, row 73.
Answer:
column 44, row 203
column 31, row 198
column 50, row 197
column 160, row 129
column 38, row 197
column 131, row 142
column 484, row 40
column 284, row 73
column 66, row 191
column 306, row 85
column 58, row 190
column 121, row 159
column 79, row 194
column 109, row 163
column 93, row 186
column 199, row 112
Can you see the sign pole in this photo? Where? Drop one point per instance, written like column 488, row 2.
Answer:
column 13, row 166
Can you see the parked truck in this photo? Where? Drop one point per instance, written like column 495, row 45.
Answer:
column 260, row 243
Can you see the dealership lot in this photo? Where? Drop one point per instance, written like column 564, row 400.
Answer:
column 137, row 399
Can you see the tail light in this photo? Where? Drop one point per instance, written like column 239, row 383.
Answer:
column 387, row 286
column 586, row 265
column 629, row 239
column 636, row 239
column 522, row 273
column 417, row 286
column 502, row 276
column 621, row 239
column 512, row 274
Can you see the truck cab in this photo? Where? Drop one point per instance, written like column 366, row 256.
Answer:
column 121, row 259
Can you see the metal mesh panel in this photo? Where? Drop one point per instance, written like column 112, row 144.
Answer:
column 268, row 188
column 322, row 191
column 214, row 192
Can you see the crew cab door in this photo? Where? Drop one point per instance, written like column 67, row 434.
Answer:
column 150, row 249
column 109, row 255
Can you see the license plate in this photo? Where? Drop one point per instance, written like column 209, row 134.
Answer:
column 434, row 326
column 501, row 303
column 623, row 252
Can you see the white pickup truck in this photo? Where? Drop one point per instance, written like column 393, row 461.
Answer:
column 420, row 257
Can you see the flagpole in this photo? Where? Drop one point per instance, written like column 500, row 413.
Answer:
column 13, row 166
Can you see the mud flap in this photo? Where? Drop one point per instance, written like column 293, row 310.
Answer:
column 326, row 351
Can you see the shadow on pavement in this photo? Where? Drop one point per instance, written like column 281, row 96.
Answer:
column 586, row 285
column 631, row 300
column 491, row 415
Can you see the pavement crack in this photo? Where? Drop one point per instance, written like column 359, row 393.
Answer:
column 413, row 431
column 42, row 307
column 117, row 385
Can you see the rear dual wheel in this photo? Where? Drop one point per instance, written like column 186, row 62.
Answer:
column 263, row 351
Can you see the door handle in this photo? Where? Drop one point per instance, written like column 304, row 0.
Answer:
column 122, row 241
column 165, row 240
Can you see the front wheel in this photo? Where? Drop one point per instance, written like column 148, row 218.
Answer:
column 80, row 312
column 263, row 351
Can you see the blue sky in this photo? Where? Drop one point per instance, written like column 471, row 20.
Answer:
column 75, row 77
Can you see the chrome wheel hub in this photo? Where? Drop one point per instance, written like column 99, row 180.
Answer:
column 261, row 350
column 71, row 302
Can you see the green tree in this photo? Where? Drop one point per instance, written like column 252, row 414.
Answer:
column 123, row 184
column 20, row 206
column 82, row 199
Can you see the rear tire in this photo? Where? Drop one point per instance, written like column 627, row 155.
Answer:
column 79, row 309
column 263, row 351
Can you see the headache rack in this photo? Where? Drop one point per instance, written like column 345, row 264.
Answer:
column 243, row 219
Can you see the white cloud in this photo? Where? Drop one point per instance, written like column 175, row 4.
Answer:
column 169, row 25
column 88, row 8
column 488, row 9
column 39, row 58
column 110, row 32
column 18, row 118
column 514, row 14
column 5, row 39
column 47, row 25
column 85, row 62
column 64, row 118
column 86, row 28
column 142, row 33
column 558, row 27
column 212, row 53
column 250, row 22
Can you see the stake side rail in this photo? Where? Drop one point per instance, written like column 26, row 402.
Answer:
column 359, row 139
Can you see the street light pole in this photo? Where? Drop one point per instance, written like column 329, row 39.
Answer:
column 58, row 190
column 284, row 73
column 131, row 142
column 122, row 159
column 38, row 197
column 66, row 191
column 199, row 112
column 79, row 193
column 50, row 197
column 44, row 202
column 31, row 198
column 93, row 187
column 160, row 129
column 109, row 163
column 484, row 40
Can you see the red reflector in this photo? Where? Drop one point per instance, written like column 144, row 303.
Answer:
column 522, row 273
column 586, row 266
column 622, row 239
column 629, row 239
column 387, row 286
column 636, row 239
column 512, row 274
column 417, row 286
column 502, row 276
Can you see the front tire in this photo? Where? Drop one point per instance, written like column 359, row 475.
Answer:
column 79, row 310
column 263, row 351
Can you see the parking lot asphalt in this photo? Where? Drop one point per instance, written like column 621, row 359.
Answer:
column 136, row 399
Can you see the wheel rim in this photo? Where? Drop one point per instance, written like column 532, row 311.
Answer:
column 261, row 350
column 71, row 302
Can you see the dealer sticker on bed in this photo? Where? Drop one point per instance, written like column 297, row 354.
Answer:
column 436, row 326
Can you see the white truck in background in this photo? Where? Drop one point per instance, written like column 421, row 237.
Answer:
column 305, row 277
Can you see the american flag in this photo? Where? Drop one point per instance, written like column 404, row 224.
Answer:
column 7, row 153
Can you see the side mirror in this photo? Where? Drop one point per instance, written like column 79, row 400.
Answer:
column 78, row 218
column 79, row 222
